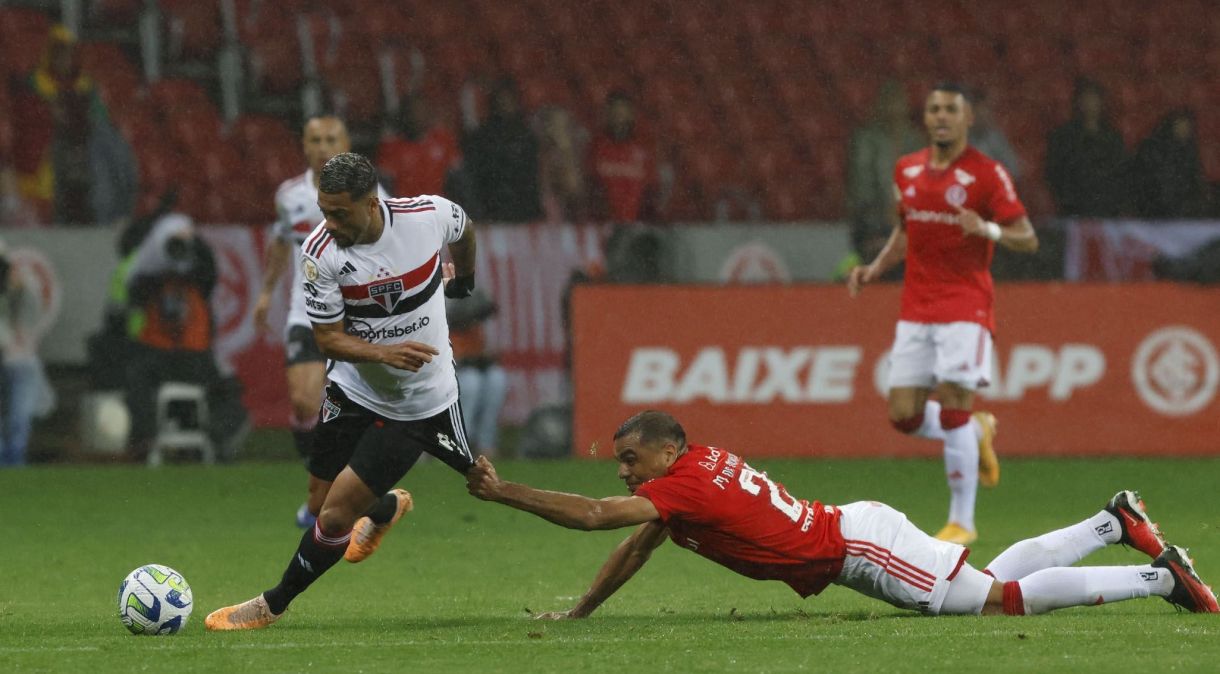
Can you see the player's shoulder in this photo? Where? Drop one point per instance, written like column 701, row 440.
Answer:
column 423, row 203
column 318, row 243
column 909, row 165
column 292, row 185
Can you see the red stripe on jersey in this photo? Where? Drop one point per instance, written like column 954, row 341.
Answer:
column 309, row 243
column 409, row 280
column 914, row 570
column 324, row 245
column 411, row 210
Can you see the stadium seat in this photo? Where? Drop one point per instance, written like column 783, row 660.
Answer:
column 23, row 34
column 254, row 131
column 115, row 12
column 193, row 27
column 171, row 95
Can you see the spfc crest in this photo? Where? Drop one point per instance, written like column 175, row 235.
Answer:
column 387, row 294
column 329, row 410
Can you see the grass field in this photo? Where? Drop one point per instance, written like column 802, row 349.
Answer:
column 452, row 587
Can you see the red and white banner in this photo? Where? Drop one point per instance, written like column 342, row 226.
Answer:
column 526, row 269
column 800, row 370
column 1124, row 250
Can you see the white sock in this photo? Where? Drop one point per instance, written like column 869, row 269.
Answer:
column 1051, row 589
column 930, row 428
column 962, row 472
column 1062, row 547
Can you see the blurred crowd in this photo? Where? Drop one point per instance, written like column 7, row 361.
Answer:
column 64, row 160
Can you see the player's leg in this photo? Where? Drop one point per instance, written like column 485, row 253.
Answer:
column 910, row 379
column 961, row 455
column 306, row 376
column 888, row 558
column 334, row 496
column 442, row 436
column 1171, row 575
column 1122, row 520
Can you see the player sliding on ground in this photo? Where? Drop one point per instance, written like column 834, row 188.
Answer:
column 372, row 281
column 710, row 501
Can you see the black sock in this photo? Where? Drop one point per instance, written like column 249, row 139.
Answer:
column 315, row 554
column 303, row 441
column 383, row 510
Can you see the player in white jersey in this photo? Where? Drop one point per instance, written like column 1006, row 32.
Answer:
column 373, row 280
column 297, row 215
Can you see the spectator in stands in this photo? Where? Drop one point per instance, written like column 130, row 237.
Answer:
column 1086, row 162
column 1167, row 173
column 170, row 282
column 875, row 148
column 482, row 381
column 72, row 166
column 423, row 156
column 24, row 390
column 562, row 144
column 623, row 166
column 502, row 157
column 987, row 137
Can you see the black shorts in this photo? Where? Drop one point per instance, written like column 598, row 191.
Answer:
column 300, row 347
column 382, row 450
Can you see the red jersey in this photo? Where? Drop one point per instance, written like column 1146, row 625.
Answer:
column 948, row 274
column 717, row 506
column 419, row 167
column 623, row 170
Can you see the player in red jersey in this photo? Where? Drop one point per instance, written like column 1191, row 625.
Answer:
column 711, row 502
column 954, row 205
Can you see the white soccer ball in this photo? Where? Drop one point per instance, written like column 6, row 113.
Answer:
column 154, row 599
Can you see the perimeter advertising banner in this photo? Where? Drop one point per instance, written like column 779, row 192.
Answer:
column 800, row 370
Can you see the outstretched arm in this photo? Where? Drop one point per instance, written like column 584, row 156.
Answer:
column 626, row 559
column 895, row 251
column 567, row 510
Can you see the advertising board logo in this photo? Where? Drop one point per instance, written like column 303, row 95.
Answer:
column 1175, row 371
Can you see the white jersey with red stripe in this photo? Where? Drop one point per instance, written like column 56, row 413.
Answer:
column 296, row 216
column 387, row 292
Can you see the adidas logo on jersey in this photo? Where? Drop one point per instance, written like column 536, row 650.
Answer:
column 348, row 268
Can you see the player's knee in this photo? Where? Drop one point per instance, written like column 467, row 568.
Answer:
column 951, row 419
column 909, row 424
column 336, row 521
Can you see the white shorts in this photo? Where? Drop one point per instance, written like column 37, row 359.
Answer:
column 890, row 559
column 927, row 353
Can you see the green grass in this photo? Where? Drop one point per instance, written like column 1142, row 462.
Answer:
column 451, row 588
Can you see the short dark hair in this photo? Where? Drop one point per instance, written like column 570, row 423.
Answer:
column 953, row 88
column 349, row 173
column 653, row 427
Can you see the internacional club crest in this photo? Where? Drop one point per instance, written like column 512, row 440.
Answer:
column 955, row 195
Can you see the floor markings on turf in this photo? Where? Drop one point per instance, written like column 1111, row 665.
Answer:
column 45, row 649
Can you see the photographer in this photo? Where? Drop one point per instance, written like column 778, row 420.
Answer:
column 169, row 285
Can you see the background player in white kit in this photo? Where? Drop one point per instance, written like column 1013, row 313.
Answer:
column 954, row 205
column 297, row 214
column 373, row 276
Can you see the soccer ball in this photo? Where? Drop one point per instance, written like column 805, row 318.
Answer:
column 154, row 599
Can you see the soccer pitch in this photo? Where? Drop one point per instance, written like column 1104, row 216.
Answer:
column 453, row 585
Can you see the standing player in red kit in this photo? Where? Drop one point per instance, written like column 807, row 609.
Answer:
column 954, row 205
column 713, row 503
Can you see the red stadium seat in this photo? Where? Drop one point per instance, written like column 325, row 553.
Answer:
column 116, row 12
column 194, row 131
column 172, row 95
column 23, row 34
column 193, row 27
column 251, row 132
